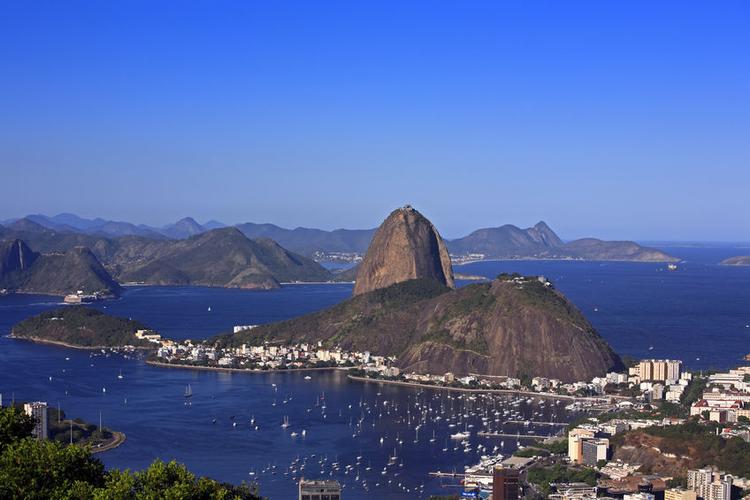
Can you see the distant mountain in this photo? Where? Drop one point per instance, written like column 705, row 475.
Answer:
column 539, row 241
column 406, row 246
column 214, row 224
column 594, row 249
column 183, row 228
column 222, row 257
column 23, row 270
column 742, row 260
column 307, row 241
column 347, row 245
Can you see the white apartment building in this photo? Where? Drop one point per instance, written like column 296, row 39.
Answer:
column 38, row 410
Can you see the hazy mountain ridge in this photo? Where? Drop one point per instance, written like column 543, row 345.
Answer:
column 540, row 241
column 503, row 242
column 221, row 257
column 66, row 222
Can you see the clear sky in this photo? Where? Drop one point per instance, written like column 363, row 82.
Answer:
column 617, row 119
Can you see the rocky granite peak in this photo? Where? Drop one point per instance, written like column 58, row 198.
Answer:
column 406, row 246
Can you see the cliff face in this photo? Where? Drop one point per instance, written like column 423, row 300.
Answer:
column 59, row 273
column 406, row 246
column 507, row 327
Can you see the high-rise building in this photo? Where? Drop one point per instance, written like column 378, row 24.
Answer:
column 710, row 485
column 325, row 489
column 38, row 410
column 575, row 443
column 593, row 450
column 679, row 494
column 721, row 488
column 674, row 369
column 660, row 370
column 505, row 484
column 699, row 479
column 646, row 370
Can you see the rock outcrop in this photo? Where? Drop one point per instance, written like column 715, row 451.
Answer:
column 406, row 246
column 512, row 326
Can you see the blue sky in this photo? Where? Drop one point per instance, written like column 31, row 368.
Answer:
column 614, row 119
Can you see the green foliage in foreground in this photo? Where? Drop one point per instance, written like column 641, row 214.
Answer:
column 48, row 469
column 14, row 425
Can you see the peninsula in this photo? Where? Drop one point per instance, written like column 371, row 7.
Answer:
column 84, row 328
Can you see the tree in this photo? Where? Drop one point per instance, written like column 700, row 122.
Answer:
column 168, row 480
column 14, row 425
column 34, row 469
column 46, row 469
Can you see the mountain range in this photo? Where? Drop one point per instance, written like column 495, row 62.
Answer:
column 503, row 242
column 66, row 222
column 41, row 260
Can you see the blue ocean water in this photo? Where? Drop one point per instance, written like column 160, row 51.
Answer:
column 698, row 313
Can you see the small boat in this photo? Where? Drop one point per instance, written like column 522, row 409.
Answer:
column 188, row 392
column 286, row 422
column 209, row 308
column 120, row 375
column 308, row 377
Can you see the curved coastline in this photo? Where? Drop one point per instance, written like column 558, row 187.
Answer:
column 119, row 438
column 241, row 370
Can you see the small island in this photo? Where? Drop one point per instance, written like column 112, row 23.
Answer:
column 741, row 260
column 84, row 328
